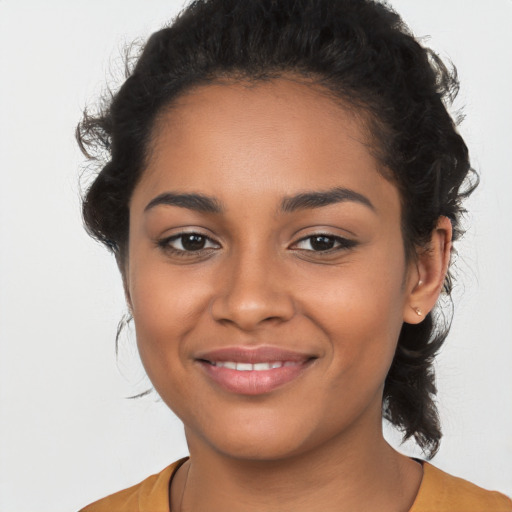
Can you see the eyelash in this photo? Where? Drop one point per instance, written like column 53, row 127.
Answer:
column 165, row 244
column 342, row 243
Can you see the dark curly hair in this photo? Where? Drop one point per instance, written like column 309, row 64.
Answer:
column 363, row 54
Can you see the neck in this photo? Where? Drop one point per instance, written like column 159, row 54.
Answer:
column 345, row 474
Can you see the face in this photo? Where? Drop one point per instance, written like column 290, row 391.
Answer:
column 266, row 270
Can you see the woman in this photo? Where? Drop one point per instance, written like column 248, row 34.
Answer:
column 283, row 190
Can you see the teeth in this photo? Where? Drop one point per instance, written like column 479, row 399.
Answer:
column 262, row 366
column 248, row 367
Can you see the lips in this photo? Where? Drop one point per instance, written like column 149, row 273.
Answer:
column 256, row 367
column 253, row 371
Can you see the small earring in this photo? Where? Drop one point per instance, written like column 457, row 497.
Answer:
column 420, row 282
column 418, row 311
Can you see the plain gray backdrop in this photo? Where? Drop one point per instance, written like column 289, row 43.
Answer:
column 67, row 434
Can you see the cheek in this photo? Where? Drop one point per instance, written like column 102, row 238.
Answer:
column 360, row 307
column 166, row 306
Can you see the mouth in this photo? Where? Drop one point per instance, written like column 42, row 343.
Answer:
column 248, row 367
column 253, row 371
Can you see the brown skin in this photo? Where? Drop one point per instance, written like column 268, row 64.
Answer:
column 315, row 443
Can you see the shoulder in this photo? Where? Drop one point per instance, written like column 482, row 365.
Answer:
column 150, row 495
column 441, row 492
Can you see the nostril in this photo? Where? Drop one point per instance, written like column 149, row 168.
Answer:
column 249, row 313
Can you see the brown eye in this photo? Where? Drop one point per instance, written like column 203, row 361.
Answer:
column 184, row 243
column 324, row 243
column 193, row 242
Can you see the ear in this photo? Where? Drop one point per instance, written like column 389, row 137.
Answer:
column 425, row 282
column 123, row 266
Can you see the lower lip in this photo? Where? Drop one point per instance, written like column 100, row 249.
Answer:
column 253, row 382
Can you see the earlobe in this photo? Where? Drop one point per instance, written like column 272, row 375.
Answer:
column 432, row 265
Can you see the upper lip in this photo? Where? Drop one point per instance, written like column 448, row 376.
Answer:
column 253, row 355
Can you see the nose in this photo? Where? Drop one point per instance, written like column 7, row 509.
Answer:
column 252, row 291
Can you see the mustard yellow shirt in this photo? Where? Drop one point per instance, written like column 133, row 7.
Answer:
column 439, row 492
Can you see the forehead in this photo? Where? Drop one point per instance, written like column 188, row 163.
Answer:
column 262, row 139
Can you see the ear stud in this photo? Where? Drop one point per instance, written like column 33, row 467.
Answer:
column 418, row 311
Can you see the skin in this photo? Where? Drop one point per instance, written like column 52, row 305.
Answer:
column 315, row 443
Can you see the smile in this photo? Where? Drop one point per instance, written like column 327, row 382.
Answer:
column 253, row 371
column 248, row 367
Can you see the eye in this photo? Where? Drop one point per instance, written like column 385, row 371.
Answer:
column 324, row 243
column 187, row 243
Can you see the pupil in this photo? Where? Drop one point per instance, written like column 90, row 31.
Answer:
column 193, row 242
column 322, row 243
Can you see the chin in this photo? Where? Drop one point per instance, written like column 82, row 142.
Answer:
column 270, row 438
column 257, row 450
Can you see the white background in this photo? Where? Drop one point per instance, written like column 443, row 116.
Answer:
column 67, row 434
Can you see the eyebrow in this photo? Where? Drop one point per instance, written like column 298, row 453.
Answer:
column 314, row 199
column 197, row 202
column 302, row 201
